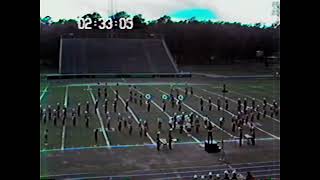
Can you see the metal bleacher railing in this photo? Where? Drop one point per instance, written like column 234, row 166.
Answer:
column 117, row 75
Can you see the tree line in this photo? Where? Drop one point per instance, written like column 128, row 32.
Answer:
column 189, row 41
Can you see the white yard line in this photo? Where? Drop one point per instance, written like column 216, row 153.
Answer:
column 64, row 126
column 66, row 96
column 63, row 137
column 235, row 102
column 194, row 138
column 133, row 115
column 201, row 115
column 100, row 119
column 274, row 136
column 44, row 92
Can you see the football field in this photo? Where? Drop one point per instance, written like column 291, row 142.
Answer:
column 72, row 152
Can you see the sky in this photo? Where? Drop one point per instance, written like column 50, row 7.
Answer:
column 243, row 11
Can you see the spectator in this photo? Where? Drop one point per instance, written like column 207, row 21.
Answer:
column 234, row 175
column 226, row 175
column 249, row 176
column 210, row 175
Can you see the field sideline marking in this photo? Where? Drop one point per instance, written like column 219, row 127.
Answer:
column 274, row 136
column 44, row 92
column 66, row 96
column 100, row 119
column 235, row 102
column 133, row 115
column 142, row 145
column 64, row 126
column 201, row 115
column 194, row 138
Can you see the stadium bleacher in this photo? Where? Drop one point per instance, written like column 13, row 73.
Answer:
column 114, row 55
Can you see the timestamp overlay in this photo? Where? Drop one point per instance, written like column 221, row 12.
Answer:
column 100, row 23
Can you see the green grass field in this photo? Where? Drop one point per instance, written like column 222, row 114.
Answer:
column 69, row 136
